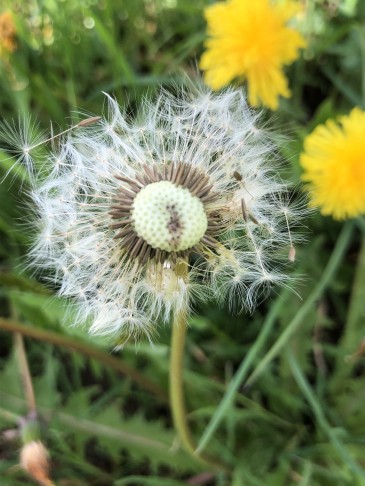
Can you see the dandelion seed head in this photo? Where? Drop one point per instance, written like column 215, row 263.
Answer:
column 169, row 217
column 139, row 218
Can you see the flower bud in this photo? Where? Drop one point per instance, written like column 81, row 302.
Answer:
column 34, row 459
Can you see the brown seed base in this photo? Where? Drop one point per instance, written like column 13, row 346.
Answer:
column 180, row 174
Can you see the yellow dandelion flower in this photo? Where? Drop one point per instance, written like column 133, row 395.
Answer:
column 7, row 34
column 334, row 166
column 251, row 39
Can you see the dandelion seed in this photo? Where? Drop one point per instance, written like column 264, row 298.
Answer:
column 20, row 138
column 334, row 170
column 140, row 218
column 251, row 40
column 291, row 254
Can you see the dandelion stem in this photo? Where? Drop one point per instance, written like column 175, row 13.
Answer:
column 177, row 398
column 178, row 407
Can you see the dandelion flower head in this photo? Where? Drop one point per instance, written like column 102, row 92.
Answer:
column 334, row 166
column 7, row 34
column 251, row 40
column 141, row 216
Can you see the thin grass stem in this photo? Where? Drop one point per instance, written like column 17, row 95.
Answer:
column 320, row 416
column 83, row 348
column 25, row 373
column 327, row 276
column 242, row 372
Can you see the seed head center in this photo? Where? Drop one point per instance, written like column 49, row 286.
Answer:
column 169, row 217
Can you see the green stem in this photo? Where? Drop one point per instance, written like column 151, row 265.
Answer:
column 280, row 343
column 361, row 35
column 177, row 398
column 10, row 416
column 354, row 330
column 351, row 344
column 25, row 372
column 84, row 348
column 320, row 416
column 241, row 373
column 327, row 275
column 80, row 424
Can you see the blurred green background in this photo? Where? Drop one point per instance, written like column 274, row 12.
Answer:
column 298, row 416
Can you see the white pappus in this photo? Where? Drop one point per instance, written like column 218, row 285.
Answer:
column 141, row 216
